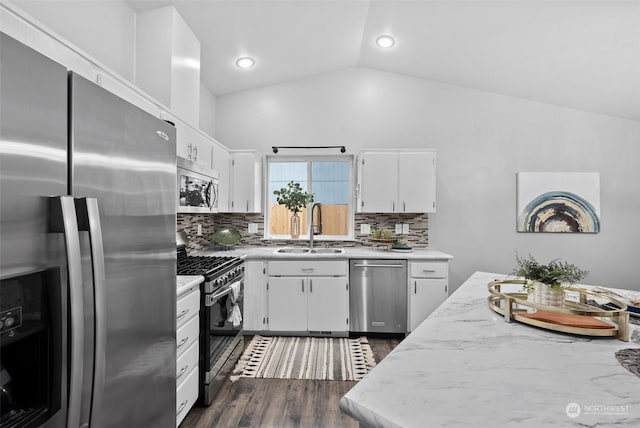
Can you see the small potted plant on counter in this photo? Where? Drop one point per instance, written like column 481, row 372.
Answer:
column 545, row 283
column 295, row 199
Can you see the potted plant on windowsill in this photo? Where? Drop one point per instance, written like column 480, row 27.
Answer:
column 295, row 199
column 545, row 283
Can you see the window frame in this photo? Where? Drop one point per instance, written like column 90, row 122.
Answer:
column 350, row 159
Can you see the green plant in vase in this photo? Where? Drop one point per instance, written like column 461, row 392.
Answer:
column 295, row 199
column 545, row 283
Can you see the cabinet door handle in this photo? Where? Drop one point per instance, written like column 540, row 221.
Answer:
column 182, row 371
column 311, row 286
column 182, row 342
column 415, row 287
column 195, row 153
column 393, row 206
column 189, row 151
column 182, row 406
column 302, row 281
column 247, row 205
column 162, row 135
column 404, row 206
column 183, row 313
column 307, row 269
column 428, row 270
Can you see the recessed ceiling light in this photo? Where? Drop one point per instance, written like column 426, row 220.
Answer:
column 385, row 41
column 245, row 62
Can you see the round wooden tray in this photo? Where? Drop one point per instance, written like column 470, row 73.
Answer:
column 383, row 240
column 515, row 306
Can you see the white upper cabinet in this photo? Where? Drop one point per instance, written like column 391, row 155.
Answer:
column 397, row 181
column 246, row 182
column 416, row 182
column 168, row 61
column 191, row 143
column 377, row 182
column 221, row 162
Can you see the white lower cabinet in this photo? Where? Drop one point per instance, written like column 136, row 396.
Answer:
column 186, row 395
column 328, row 304
column 287, row 303
column 428, row 288
column 255, row 284
column 308, row 296
column 187, row 348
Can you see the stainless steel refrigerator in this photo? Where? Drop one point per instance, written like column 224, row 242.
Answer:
column 88, row 215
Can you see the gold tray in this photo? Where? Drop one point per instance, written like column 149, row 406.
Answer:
column 515, row 306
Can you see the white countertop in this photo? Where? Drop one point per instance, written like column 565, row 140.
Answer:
column 464, row 366
column 185, row 283
column 268, row 252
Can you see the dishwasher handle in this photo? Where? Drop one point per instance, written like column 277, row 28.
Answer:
column 378, row 265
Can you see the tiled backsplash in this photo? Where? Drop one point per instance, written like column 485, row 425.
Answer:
column 418, row 229
column 418, row 235
column 188, row 223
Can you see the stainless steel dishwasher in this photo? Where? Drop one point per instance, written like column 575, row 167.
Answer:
column 378, row 296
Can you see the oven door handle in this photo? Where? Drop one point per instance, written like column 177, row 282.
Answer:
column 212, row 298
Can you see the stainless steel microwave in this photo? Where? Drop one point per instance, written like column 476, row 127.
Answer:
column 197, row 188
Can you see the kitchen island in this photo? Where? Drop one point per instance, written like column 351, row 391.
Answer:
column 464, row 366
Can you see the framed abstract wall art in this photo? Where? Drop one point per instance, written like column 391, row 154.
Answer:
column 558, row 202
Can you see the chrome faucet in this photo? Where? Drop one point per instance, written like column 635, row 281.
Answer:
column 312, row 233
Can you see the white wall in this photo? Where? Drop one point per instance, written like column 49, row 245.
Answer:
column 207, row 111
column 482, row 139
column 103, row 29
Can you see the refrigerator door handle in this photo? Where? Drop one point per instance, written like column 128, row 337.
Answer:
column 62, row 219
column 89, row 220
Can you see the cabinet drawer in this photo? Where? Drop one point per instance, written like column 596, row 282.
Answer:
column 187, row 334
column 186, row 362
column 308, row 268
column 187, row 307
column 429, row 269
column 186, row 395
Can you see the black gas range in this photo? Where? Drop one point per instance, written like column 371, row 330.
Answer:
column 221, row 307
column 218, row 271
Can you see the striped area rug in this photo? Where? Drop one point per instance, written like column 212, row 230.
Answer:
column 319, row 358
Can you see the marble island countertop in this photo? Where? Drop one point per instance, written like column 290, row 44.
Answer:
column 268, row 252
column 464, row 366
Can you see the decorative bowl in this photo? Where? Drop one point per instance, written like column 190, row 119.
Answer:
column 227, row 236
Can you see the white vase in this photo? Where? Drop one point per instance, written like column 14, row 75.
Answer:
column 542, row 294
column 295, row 226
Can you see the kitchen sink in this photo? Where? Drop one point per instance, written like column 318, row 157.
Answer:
column 327, row 251
column 290, row 250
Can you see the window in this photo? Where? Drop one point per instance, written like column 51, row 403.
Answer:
column 330, row 181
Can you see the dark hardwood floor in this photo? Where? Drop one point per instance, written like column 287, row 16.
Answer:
column 281, row 403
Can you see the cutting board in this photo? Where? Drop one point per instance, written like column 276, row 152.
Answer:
column 567, row 319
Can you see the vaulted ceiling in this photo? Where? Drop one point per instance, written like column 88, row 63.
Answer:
column 579, row 54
